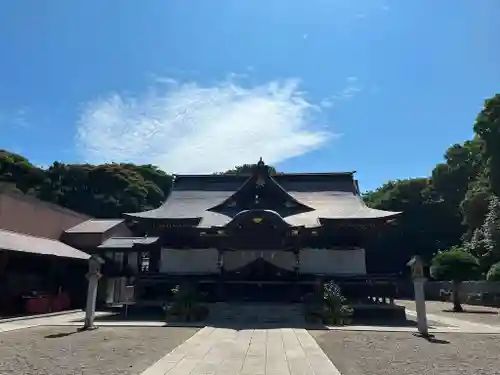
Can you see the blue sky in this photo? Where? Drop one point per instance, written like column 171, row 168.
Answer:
column 378, row 86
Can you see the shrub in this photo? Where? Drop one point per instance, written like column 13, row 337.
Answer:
column 336, row 311
column 494, row 273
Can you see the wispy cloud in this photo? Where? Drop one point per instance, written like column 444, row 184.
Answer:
column 190, row 128
column 14, row 118
column 351, row 89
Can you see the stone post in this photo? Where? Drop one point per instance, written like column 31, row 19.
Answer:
column 93, row 277
column 417, row 268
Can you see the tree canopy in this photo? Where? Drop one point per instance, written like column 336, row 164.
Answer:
column 455, row 265
column 247, row 169
column 457, row 205
column 101, row 191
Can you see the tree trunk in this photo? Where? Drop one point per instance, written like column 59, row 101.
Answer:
column 457, row 307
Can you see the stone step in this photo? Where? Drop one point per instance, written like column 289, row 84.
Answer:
column 258, row 313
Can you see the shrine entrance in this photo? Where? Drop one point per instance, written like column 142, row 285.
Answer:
column 260, row 281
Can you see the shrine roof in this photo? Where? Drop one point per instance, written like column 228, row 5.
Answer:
column 23, row 243
column 95, row 226
column 328, row 195
column 126, row 242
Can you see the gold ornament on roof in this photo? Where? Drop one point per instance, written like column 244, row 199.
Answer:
column 260, row 181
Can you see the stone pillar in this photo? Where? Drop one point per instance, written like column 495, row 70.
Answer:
column 419, row 280
column 93, row 277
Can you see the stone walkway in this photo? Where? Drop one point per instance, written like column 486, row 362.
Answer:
column 61, row 319
column 224, row 351
column 456, row 325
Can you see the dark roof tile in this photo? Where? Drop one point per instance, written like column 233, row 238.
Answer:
column 331, row 195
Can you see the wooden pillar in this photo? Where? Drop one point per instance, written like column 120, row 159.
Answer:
column 297, row 292
column 53, row 276
column 220, row 279
column 4, row 261
column 139, row 261
column 155, row 258
column 125, row 260
column 296, row 266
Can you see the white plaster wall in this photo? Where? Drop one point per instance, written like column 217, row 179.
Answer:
column 333, row 262
column 237, row 259
column 189, row 261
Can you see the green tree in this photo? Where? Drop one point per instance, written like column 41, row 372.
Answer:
column 491, row 231
column 487, row 127
column 428, row 223
column 494, row 273
column 103, row 191
column 19, row 172
column 451, row 179
column 456, row 265
column 474, row 206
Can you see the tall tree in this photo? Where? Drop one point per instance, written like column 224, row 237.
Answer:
column 487, row 126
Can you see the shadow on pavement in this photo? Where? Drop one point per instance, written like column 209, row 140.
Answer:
column 60, row 335
column 485, row 312
column 432, row 339
column 155, row 316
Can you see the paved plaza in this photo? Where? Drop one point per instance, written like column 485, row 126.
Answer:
column 464, row 344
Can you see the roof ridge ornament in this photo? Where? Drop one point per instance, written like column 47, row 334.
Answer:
column 261, row 172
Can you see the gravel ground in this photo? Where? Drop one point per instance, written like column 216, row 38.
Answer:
column 108, row 350
column 473, row 313
column 382, row 353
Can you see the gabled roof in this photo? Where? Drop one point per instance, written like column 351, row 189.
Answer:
column 13, row 241
column 260, row 191
column 328, row 195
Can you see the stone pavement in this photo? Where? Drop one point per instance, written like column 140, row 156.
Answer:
column 451, row 324
column 227, row 351
column 224, row 351
column 61, row 319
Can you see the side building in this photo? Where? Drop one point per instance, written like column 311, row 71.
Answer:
column 38, row 273
column 258, row 237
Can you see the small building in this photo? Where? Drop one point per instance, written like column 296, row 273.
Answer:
column 38, row 273
column 257, row 237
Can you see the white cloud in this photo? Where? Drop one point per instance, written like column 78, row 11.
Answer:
column 189, row 128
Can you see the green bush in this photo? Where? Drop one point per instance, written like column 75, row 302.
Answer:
column 336, row 311
column 186, row 306
column 494, row 273
column 330, row 307
column 456, row 265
